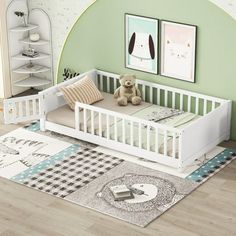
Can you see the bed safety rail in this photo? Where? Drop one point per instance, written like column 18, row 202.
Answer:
column 163, row 95
column 133, row 132
column 23, row 109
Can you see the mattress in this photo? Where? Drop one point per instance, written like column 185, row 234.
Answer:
column 65, row 116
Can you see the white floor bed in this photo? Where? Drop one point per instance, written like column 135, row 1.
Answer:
column 176, row 142
column 66, row 117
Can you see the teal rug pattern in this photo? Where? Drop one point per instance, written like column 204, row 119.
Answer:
column 213, row 166
column 20, row 178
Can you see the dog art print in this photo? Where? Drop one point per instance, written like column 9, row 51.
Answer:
column 178, row 51
column 142, row 43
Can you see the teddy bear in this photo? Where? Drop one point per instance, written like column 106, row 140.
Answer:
column 128, row 92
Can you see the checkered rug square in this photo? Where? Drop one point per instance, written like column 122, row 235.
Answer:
column 72, row 173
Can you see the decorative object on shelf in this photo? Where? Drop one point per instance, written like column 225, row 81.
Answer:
column 30, row 52
column 34, row 67
column 31, row 68
column 178, row 50
column 30, row 65
column 23, row 15
column 141, row 48
column 128, row 92
column 34, row 37
column 69, row 74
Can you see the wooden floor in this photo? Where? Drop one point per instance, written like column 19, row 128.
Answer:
column 210, row 210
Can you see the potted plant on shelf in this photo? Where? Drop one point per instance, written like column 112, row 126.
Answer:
column 23, row 16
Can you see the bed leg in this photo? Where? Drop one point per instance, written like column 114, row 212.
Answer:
column 180, row 168
column 42, row 124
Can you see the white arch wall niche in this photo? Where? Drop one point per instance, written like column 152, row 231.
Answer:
column 64, row 13
column 229, row 6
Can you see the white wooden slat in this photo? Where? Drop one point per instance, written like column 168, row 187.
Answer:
column 100, row 124
column 20, row 109
column 189, row 103
column 165, row 142
column 123, row 131
column 92, row 122
column 166, row 98
column 197, row 106
column 157, row 140
column 27, row 108
column 96, row 80
column 132, row 133
column 102, row 83
column 108, row 85
column 148, row 137
column 77, row 118
column 34, row 107
column 158, row 96
column 108, row 126
column 41, row 106
column 144, row 92
column 116, row 133
column 151, row 94
column 205, row 107
column 174, row 146
column 213, row 105
column 180, row 148
column 181, row 102
column 140, row 135
column 85, row 121
column 114, row 84
column 173, row 100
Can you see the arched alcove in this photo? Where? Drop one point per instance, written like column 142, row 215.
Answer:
column 97, row 41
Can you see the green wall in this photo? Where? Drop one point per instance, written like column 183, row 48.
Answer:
column 97, row 41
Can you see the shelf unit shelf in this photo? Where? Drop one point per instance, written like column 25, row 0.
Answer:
column 32, row 81
column 41, row 56
column 24, row 28
column 37, row 43
column 33, row 70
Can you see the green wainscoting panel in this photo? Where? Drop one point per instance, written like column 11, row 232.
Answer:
column 97, row 41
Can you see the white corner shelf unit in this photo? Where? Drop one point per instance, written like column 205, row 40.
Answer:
column 24, row 58
column 29, row 72
column 23, row 28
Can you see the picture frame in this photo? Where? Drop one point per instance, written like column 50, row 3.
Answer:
column 178, row 50
column 141, row 43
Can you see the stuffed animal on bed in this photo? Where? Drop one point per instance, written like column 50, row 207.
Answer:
column 128, row 92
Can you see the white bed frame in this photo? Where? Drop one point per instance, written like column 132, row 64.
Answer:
column 192, row 142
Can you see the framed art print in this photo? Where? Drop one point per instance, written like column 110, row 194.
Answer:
column 141, row 50
column 178, row 50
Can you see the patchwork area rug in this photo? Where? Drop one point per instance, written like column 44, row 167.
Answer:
column 83, row 173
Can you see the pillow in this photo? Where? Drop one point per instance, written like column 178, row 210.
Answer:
column 84, row 91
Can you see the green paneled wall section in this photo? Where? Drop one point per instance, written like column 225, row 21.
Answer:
column 97, row 41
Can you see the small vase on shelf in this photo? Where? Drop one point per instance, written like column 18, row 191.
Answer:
column 23, row 16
